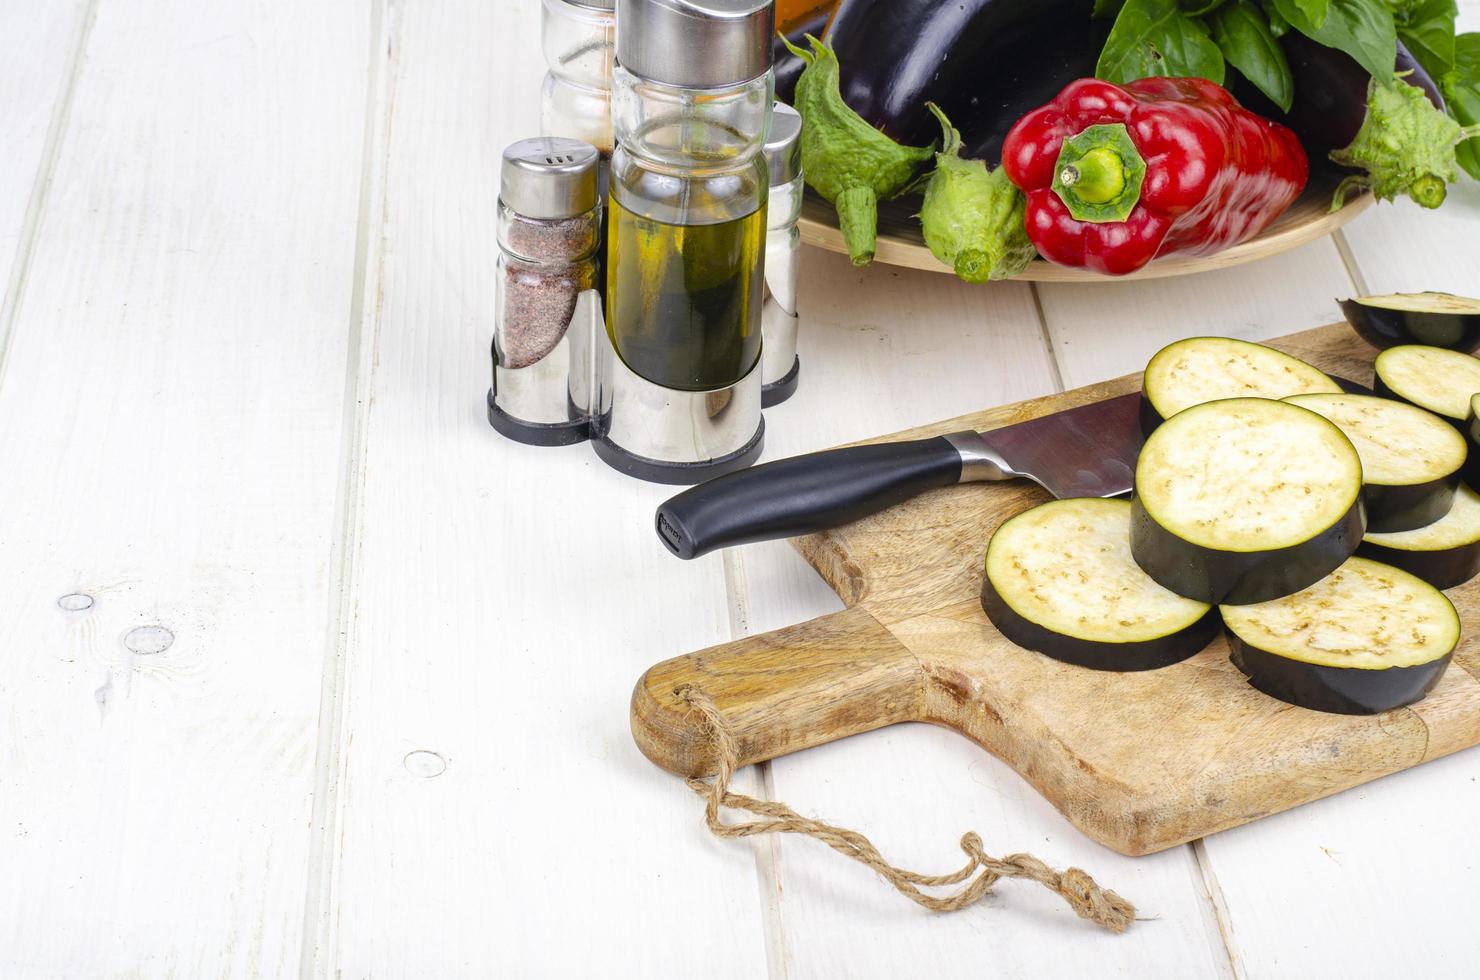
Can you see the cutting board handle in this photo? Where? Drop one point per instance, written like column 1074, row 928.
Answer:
column 780, row 692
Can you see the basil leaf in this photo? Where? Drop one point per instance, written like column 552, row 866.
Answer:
column 1427, row 27
column 1278, row 26
column 1361, row 28
column 1461, row 87
column 1107, row 8
column 1312, row 12
column 1154, row 37
column 1243, row 35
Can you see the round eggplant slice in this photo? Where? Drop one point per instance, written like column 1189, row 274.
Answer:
column 1439, row 380
column 1410, row 458
column 1435, row 319
column 1204, row 369
column 1444, row 554
column 1245, row 500
column 1365, row 639
column 1061, row 580
column 1471, row 472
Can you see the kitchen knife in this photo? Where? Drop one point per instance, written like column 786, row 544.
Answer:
column 1089, row 451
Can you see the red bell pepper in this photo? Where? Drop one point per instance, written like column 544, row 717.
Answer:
column 1115, row 176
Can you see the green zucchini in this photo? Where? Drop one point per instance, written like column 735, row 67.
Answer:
column 1411, row 458
column 1439, row 380
column 1060, row 580
column 1365, row 639
column 1245, row 500
column 1203, row 369
column 1436, row 319
column 1443, row 554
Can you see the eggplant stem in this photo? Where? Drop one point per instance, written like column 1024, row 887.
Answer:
column 858, row 219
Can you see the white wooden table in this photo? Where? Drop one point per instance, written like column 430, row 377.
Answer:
column 246, row 254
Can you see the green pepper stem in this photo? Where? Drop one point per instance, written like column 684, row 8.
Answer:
column 858, row 217
column 1099, row 174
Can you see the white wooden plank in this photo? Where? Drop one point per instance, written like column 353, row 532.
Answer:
column 1400, row 247
column 1105, row 329
column 506, row 600
column 170, row 423
column 38, row 48
column 1302, row 888
column 882, row 350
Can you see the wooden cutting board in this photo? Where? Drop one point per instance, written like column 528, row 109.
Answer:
column 1138, row 761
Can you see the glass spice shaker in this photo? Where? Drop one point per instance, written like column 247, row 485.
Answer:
column 546, row 299
column 780, row 366
column 575, row 101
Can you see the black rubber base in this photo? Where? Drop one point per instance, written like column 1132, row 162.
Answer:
column 777, row 392
column 679, row 474
column 536, row 433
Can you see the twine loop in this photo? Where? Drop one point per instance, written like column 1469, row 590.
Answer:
column 980, row 872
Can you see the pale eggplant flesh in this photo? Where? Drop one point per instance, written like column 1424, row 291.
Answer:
column 1366, row 639
column 1203, row 369
column 1434, row 378
column 1411, row 458
column 1432, row 319
column 1244, row 500
column 1444, row 554
column 1060, row 580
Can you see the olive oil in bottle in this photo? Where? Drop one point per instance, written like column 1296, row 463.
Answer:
column 684, row 300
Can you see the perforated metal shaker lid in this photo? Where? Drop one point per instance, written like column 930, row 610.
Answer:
column 549, row 177
column 783, row 148
column 696, row 43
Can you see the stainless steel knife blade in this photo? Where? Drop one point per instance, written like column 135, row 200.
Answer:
column 1089, row 451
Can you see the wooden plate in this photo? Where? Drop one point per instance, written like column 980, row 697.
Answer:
column 900, row 242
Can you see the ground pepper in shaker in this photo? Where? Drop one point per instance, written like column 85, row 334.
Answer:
column 549, row 229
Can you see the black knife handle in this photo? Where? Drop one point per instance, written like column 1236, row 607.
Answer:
column 804, row 494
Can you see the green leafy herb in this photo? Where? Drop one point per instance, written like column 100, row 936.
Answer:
column 1313, row 11
column 1278, row 26
column 1461, row 86
column 1427, row 27
column 1107, row 8
column 1243, row 35
column 1361, row 28
column 1154, row 37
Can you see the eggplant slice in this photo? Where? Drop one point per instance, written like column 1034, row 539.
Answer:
column 1443, row 554
column 1061, row 580
column 1204, row 369
column 1365, row 639
column 1439, row 380
column 1471, row 472
column 1435, row 319
column 1411, row 458
column 1245, row 500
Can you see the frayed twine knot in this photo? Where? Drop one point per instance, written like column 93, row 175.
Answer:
column 980, row 872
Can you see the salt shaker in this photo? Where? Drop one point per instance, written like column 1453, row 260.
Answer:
column 578, row 38
column 547, row 305
column 780, row 366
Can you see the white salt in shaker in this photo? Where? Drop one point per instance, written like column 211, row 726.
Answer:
column 546, row 301
column 576, row 101
column 780, row 366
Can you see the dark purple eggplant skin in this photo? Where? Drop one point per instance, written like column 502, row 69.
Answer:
column 1338, row 690
column 1330, row 93
column 1390, row 328
column 1444, row 569
column 787, row 65
column 986, row 63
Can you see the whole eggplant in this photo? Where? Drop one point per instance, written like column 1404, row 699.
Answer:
column 1330, row 93
column 986, row 63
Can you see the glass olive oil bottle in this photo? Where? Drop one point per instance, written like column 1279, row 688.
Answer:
column 686, row 234
column 684, row 300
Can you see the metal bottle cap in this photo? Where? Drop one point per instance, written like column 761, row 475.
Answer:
column 783, row 149
column 695, row 43
column 549, row 177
